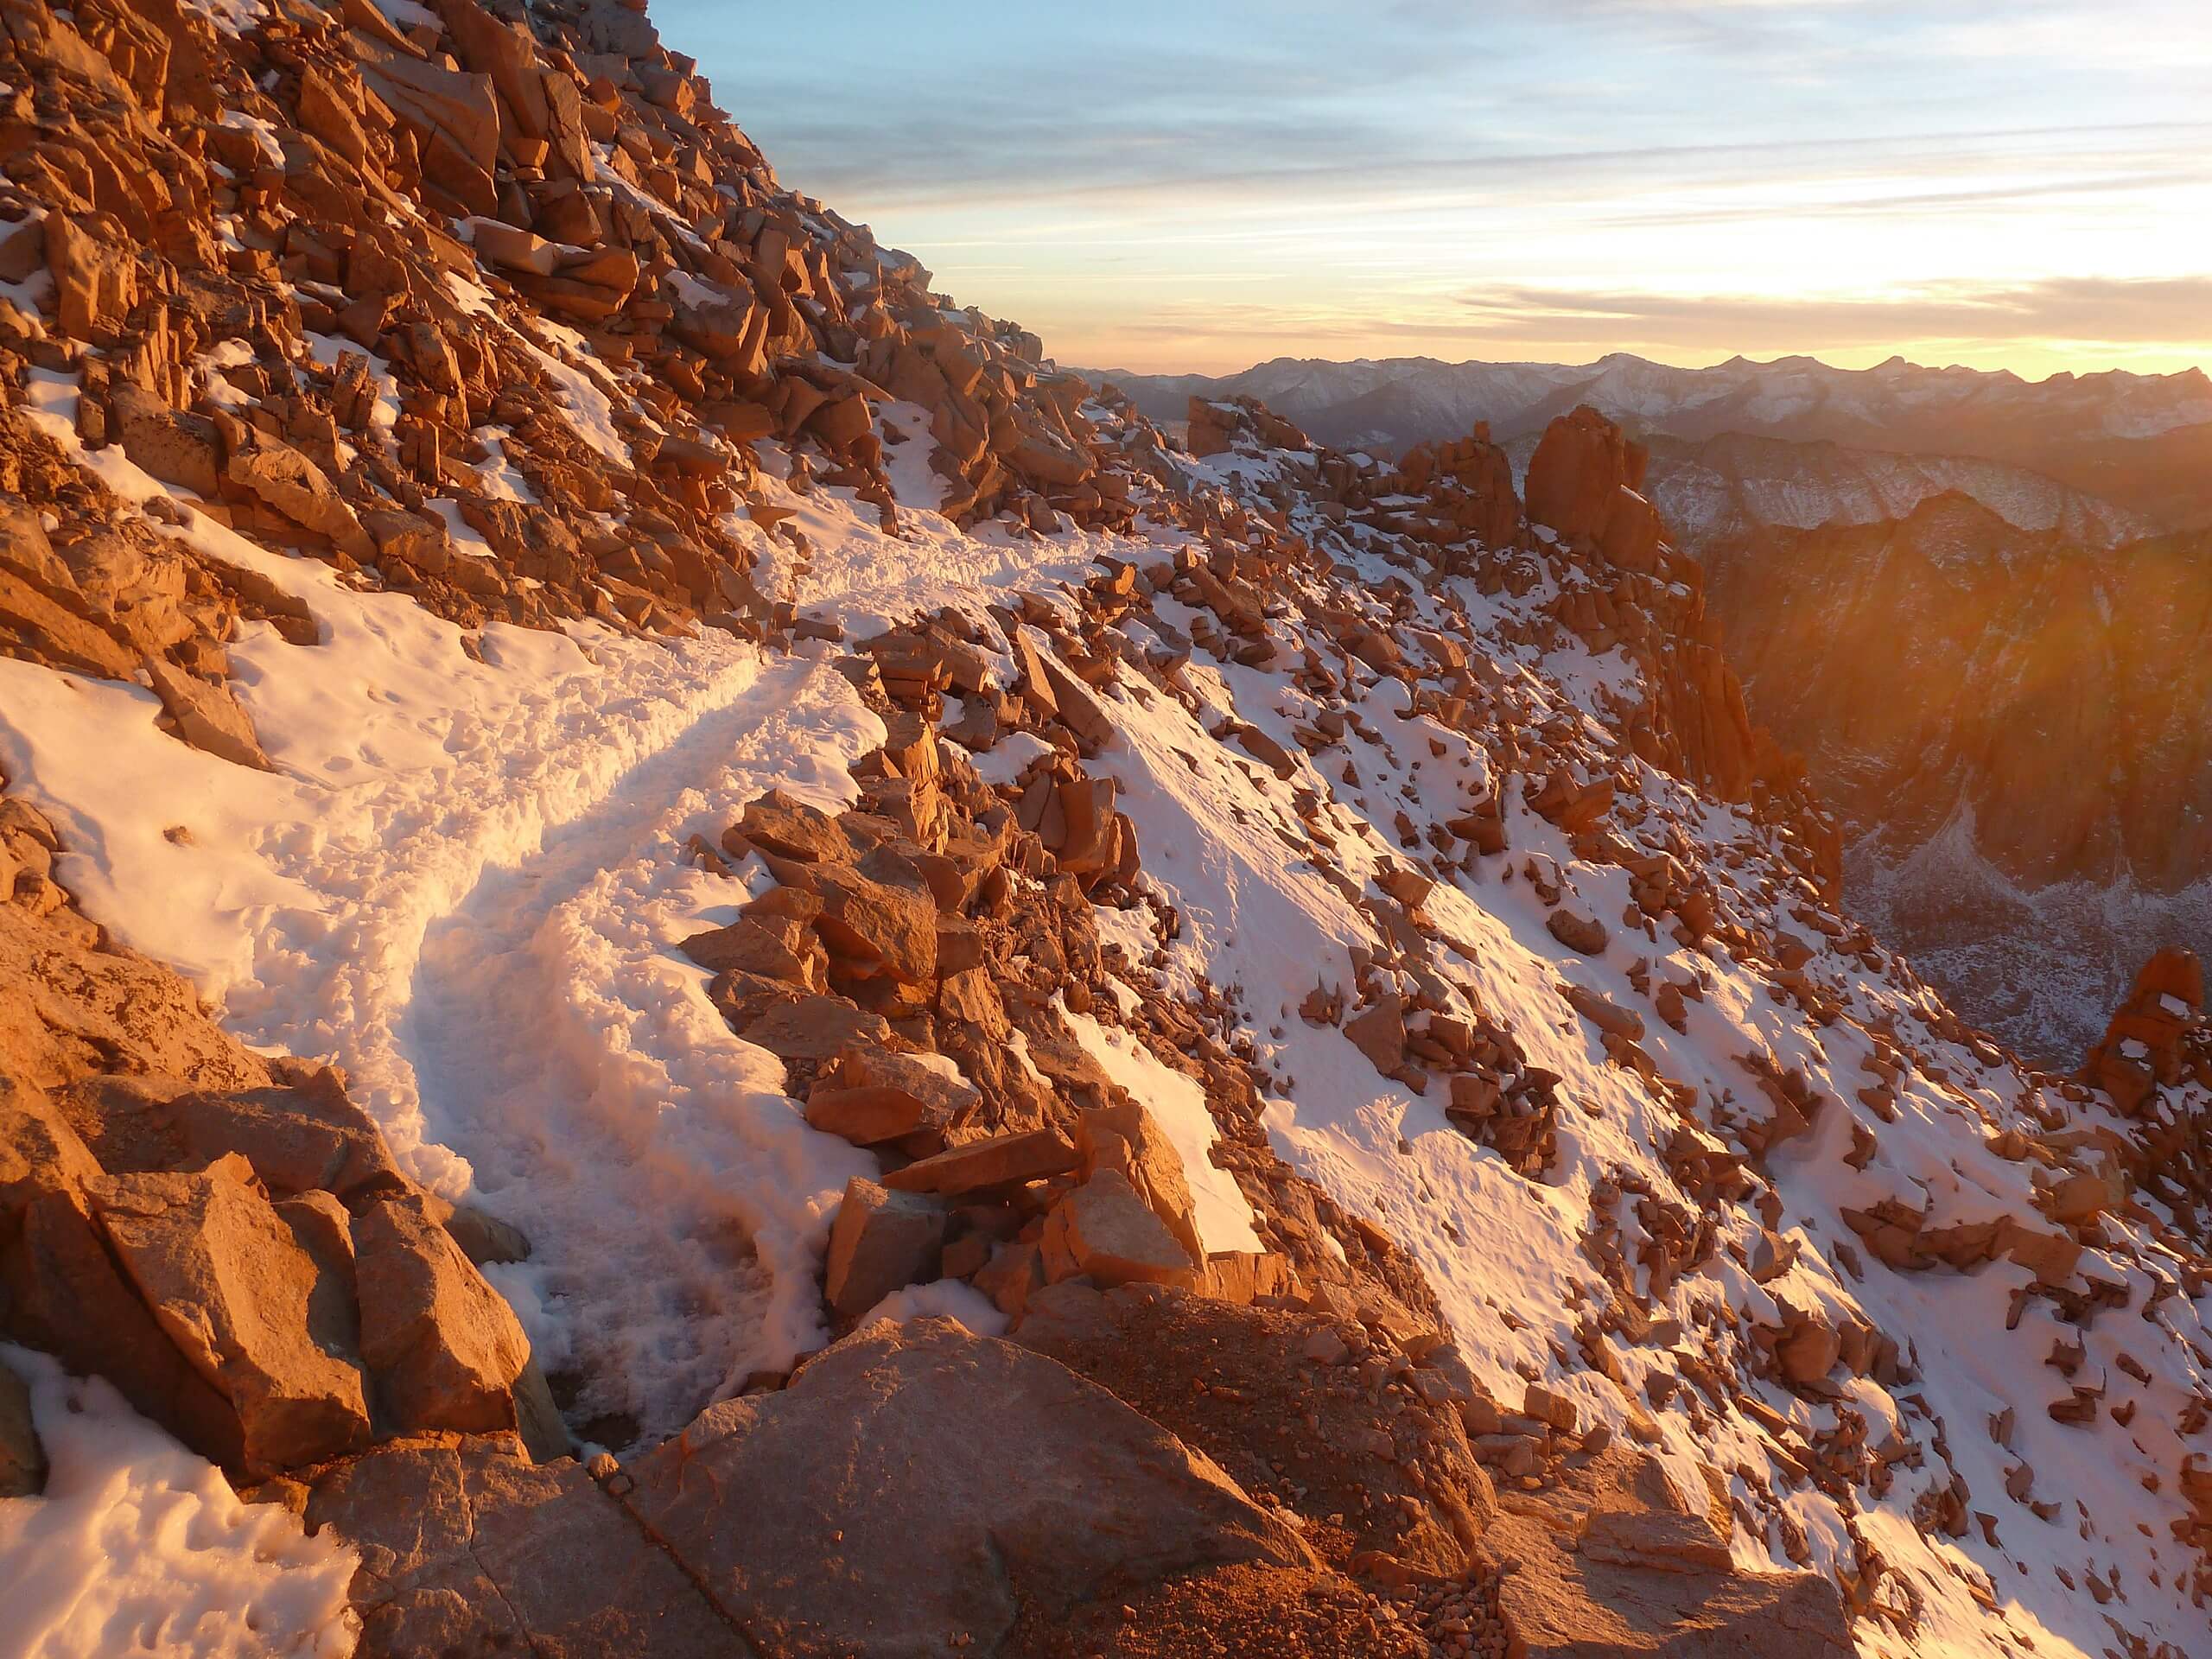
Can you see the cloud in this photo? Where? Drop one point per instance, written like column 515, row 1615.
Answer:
column 2174, row 311
column 1251, row 166
column 1290, row 176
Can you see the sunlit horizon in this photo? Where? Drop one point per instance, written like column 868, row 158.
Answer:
column 1209, row 189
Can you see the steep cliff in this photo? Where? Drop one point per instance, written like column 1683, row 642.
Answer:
column 2012, row 727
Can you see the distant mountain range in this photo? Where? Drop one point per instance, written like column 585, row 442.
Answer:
column 1980, row 607
column 2142, row 442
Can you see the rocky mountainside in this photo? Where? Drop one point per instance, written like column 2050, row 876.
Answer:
column 699, row 963
column 1724, row 491
column 1933, row 580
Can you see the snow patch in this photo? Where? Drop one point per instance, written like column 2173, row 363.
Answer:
column 138, row 1546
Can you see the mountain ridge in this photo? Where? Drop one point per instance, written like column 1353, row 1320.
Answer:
column 2138, row 440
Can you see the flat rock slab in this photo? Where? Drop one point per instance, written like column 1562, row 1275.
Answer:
column 1644, row 1570
column 814, row 1028
column 1104, row 1231
column 469, row 1550
column 978, row 1165
column 917, row 1486
column 880, row 1242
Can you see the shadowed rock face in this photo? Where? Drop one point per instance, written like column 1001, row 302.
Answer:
column 1949, row 662
column 2012, row 728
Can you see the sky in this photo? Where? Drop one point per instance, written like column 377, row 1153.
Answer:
column 1197, row 187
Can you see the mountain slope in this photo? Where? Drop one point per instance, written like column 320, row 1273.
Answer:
column 2026, row 856
column 1051, row 1044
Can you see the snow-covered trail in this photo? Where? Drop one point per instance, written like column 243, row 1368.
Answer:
column 561, row 1048
column 522, row 798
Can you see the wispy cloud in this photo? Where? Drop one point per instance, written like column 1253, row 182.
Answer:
column 2084, row 310
column 1307, row 174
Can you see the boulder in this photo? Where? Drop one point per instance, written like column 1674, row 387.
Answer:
column 2173, row 972
column 871, row 1095
column 249, row 1309
column 324, row 114
column 1579, row 464
column 749, row 946
column 281, row 478
column 1106, row 1233
column 434, row 102
column 442, row 1345
column 1125, row 1137
column 513, row 249
column 414, row 539
column 876, row 928
column 1808, row 1350
column 1080, row 709
column 57, row 635
column 843, row 420
column 40, row 1152
column 206, row 715
column 175, row 447
column 790, row 827
column 484, row 1238
column 508, row 54
column 296, row 1138
column 814, row 1028
column 916, row 1487
column 731, row 329
column 95, row 279
column 569, row 145
column 880, row 1242
column 28, row 552
column 1379, row 1033
column 1584, row 935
